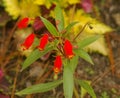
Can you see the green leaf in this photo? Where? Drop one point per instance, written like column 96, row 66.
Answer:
column 83, row 92
column 59, row 17
column 73, row 63
column 38, row 88
column 50, row 27
column 36, row 54
column 68, row 81
column 67, row 29
column 83, row 54
column 36, row 42
column 87, row 87
column 85, row 42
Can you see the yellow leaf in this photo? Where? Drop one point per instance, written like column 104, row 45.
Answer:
column 29, row 9
column 47, row 3
column 83, row 18
column 11, row 6
column 98, row 46
column 39, row 2
column 73, row 1
column 97, row 28
column 23, row 8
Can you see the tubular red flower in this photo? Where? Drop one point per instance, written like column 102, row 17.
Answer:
column 28, row 41
column 23, row 23
column 57, row 64
column 68, row 49
column 43, row 42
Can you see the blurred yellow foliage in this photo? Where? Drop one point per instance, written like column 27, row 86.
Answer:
column 73, row 1
column 47, row 3
column 11, row 6
column 63, row 3
column 23, row 8
column 83, row 18
column 97, row 28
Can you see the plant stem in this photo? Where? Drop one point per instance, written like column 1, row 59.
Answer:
column 76, row 93
column 15, row 81
column 81, row 31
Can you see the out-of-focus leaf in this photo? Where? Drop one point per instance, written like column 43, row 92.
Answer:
column 36, row 54
column 85, row 42
column 87, row 87
column 68, row 81
column 59, row 18
column 11, row 6
column 39, row 88
column 46, row 3
column 83, row 54
column 50, row 27
column 68, row 28
column 73, row 1
column 98, row 46
column 95, row 27
column 17, row 8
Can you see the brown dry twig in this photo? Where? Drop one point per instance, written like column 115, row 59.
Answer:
column 110, row 53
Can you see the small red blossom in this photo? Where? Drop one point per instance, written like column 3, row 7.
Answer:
column 68, row 49
column 43, row 42
column 23, row 23
column 28, row 41
column 57, row 64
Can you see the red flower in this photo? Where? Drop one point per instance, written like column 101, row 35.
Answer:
column 28, row 41
column 68, row 49
column 43, row 42
column 23, row 23
column 57, row 64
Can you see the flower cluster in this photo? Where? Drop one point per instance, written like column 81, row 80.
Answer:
column 30, row 38
column 65, row 48
column 68, row 53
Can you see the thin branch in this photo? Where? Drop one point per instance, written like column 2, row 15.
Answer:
column 87, row 24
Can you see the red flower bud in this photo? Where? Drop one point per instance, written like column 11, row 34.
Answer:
column 23, row 23
column 28, row 41
column 57, row 64
column 43, row 42
column 38, row 24
column 68, row 49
